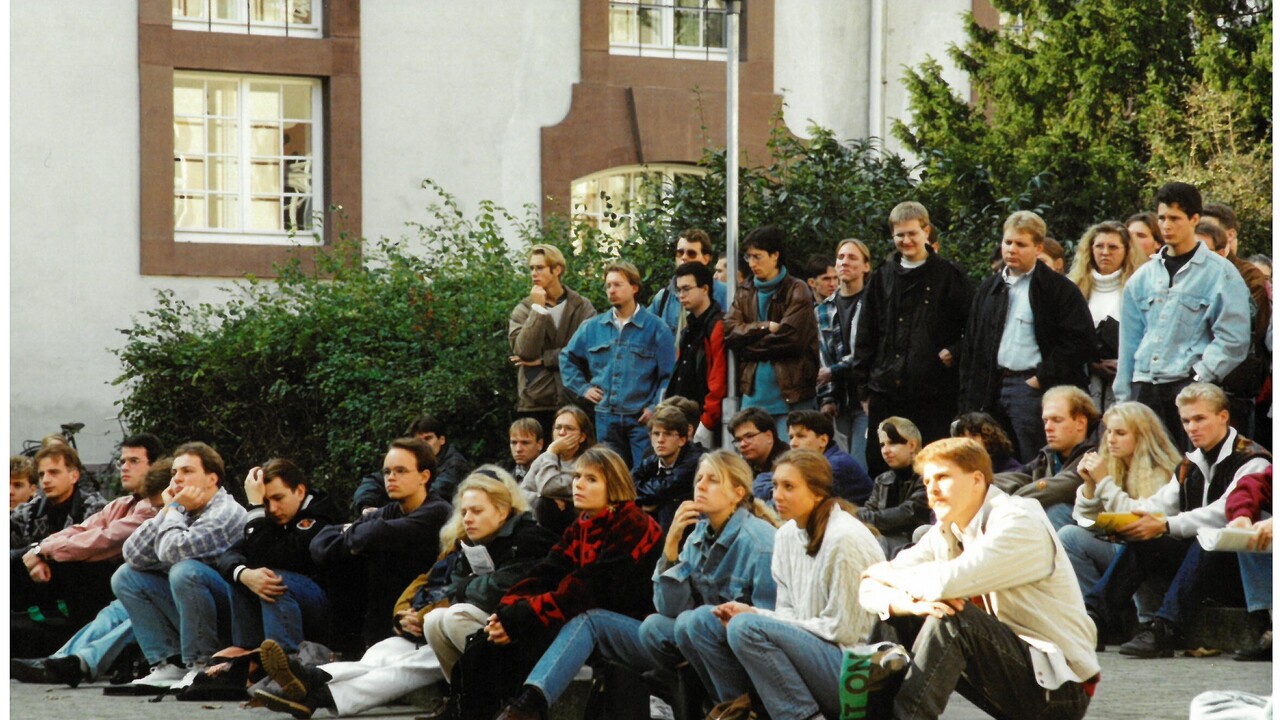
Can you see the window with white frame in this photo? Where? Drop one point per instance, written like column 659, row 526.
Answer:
column 683, row 29
column 606, row 200
column 247, row 163
column 292, row 18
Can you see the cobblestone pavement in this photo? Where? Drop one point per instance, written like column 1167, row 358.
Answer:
column 1130, row 690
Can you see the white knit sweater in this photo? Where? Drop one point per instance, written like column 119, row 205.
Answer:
column 820, row 593
column 1104, row 299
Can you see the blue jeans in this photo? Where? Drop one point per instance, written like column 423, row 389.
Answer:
column 1059, row 515
column 851, row 432
column 253, row 620
column 1255, row 573
column 100, row 642
column 635, row 433
column 174, row 614
column 614, row 637
column 1090, row 555
column 704, row 641
column 796, row 673
column 1192, row 568
column 1020, row 405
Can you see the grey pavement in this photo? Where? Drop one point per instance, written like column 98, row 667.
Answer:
column 1130, row 690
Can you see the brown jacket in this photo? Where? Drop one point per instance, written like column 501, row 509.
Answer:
column 533, row 336
column 793, row 350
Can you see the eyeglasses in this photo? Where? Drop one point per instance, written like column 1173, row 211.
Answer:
column 688, row 253
column 684, row 290
column 745, row 438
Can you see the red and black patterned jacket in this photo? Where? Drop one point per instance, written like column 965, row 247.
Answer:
column 603, row 562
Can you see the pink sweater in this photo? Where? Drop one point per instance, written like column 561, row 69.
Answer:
column 101, row 536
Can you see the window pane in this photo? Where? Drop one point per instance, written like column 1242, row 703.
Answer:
column 265, row 214
column 223, row 137
column 224, row 212
column 232, row 10
column 188, row 136
column 224, row 97
column 715, row 30
column 297, row 102
column 651, row 27
column 188, row 97
column 264, row 139
column 224, row 174
column 298, row 176
column 301, row 11
column 622, row 26
column 265, row 177
column 188, row 211
column 188, row 174
column 268, row 11
column 297, row 139
column 688, row 28
column 297, row 212
column 689, row 3
column 264, row 101
column 189, row 9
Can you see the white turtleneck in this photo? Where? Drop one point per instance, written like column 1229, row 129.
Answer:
column 1105, row 299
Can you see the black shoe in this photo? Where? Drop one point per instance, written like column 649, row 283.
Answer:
column 65, row 670
column 1258, row 654
column 1100, row 644
column 1158, row 641
column 30, row 670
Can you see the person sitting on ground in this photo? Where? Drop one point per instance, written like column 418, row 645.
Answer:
column 91, row 652
column 1134, row 460
column 75, row 564
column 1070, row 430
column 526, row 436
column 548, row 484
column 22, row 481
column 1245, row 507
column 990, row 598
column 165, row 557
column 604, row 560
column 451, row 467
column 693, row 412
column 665, row 479
column 388, row 547
column 434, row 615
column 984, row 428
column 756, row 436
column 1162, row 541
column 814, row 430
column 792, row 654
column 60, row 503
column 898, row 504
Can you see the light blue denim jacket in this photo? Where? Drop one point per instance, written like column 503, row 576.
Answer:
column 632, row 370
column 737, row 565
column 1199, row 327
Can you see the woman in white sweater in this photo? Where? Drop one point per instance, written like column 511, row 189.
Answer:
column 793, row 653
column 1105, row 258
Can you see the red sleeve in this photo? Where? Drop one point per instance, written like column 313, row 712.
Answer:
column 717, row 377
column 1251, row 496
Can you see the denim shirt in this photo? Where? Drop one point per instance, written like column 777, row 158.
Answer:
column 1198, row 327
column 632, row 367
column 737, row 565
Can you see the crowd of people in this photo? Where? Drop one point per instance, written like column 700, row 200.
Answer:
column 930, row 488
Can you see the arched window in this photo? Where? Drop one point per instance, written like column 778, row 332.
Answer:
column 606, row 199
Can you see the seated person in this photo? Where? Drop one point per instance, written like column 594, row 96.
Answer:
column 755, row 433
column 163, row 559
column 1162, row 541
column 491, row 521
column 548, row 484
column 991, row 598
column 388, row 547
column 693, row 413
column 985, row 429
column 813, row 430
column 75, row 564
column 22, row 481
column 60, row 503
column 95, row 647
column 526, row 437
column 268, row 572
column 898, row 504
column 665, row 479
column 451, row 467
column 1245, row 507
column 1070, row 422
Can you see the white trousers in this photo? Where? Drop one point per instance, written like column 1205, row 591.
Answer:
column 447, row 630
column 388, row 670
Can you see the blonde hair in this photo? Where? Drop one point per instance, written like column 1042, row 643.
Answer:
column 908, row 211
column 1083, row 265
column 1078, row 401
column 1028, row 222
column 554, row 257
column 903, row 428
column 503, row 492
column 1208, row 392
column 1154, row 455
column 730, row 469
column 619, row 487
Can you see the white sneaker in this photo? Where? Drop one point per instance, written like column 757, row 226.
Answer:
column 659, row 710
column 190, row 677
column 162, row 676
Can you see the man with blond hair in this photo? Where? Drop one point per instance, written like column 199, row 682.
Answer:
column 540, row 326
column 1162, row 541
column 991, row 597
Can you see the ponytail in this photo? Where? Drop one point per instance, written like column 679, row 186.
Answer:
column 816, row 527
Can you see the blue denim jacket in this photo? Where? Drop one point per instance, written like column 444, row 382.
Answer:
column 632, row 370
column 1199, row 327
column 737, row 565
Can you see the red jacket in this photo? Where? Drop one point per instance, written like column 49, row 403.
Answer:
column 101, row 536
column 1251, row 496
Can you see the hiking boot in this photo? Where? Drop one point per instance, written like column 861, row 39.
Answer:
column 299, row 683
column 296, row 708
column 30, row 670
column 66, row 670
column 1157, row 641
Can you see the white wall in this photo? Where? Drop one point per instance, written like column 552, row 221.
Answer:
column 74, row 216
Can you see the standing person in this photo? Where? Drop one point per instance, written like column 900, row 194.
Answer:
column 820, row 275
column 1106, row 258
column 1144, row 228
column 990, row 589
column 792, row 654
column 907, row 357
column 898, row 504
column 540, row 327
column 1184, row 317
column 838, row 397
column 1136, row 457
column 692, row 246
column 701, row 372
column 620, row 362
column 548, row 486
column 773, row 332
column 1029, row 330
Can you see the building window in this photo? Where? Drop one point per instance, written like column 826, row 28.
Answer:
column 684, row 29
column 292, row 18
column 606, row 200
column 247, row 165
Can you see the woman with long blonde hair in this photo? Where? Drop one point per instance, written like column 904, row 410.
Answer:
column 1136, row 459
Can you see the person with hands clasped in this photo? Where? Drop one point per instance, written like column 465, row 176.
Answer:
column 1245, row 507
column 548, row 483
